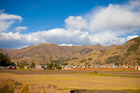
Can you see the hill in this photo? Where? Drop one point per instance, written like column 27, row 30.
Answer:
column 128, row 53
column 47, row 52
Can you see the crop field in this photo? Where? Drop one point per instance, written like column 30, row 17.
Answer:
column 77, row 79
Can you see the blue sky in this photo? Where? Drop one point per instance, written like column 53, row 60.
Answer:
column 68, row 22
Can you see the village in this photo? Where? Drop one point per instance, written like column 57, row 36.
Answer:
column 111, row 66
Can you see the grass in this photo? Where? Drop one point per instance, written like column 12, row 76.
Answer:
column 132, row 91
column 109, row 74
column 24, row 88
column 69, row 81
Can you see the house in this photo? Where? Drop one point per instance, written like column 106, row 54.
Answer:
column 125, row 66
column 26, row 66
column 96, row 66
column 38, row 66
column 1, row 67
column 137, row 68
column 112, row 65
column 66, row 67
column 11, row 67
column 84, row 66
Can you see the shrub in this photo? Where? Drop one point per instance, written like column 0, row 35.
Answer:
column 88, row 51
column 6, row 89
column 89, row 58
column 85, row 51
column 86, row 63
column 82, row 61
column 64, row 63
column 126, row 54
column 58, row 67
column 102, row 51
column 113, row 59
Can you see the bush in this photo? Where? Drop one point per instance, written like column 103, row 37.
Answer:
column 6, row 89
column 102, row 51
column 86, row 63
column 113, row 59
column 64, row 63
column 126, row 54
column 85, row 50
column 89, row 58
column 58, row 67
column 82, row 61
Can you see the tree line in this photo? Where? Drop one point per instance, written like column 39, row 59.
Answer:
column 5, row 60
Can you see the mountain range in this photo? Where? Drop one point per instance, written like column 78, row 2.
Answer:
column 128, row 53
column 47, row 52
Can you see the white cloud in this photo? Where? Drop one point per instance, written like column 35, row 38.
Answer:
column 65, row 44
column 5, row 25
column 75, row 22
column 114, row 17
column 108, row 38
column 131, row 37
column 58, row 36
column 4, row 16
column 104, row 25
column 6, row 20
column 19, row 28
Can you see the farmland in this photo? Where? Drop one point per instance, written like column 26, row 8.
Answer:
column 77, row 79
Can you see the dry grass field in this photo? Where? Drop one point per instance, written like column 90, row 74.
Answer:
column 67, row 80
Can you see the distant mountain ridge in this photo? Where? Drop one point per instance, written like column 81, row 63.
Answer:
column 47, row 52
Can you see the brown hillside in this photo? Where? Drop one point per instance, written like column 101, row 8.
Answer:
column 128, row 54
column 46, row 52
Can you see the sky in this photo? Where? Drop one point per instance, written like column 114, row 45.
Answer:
column 68, row 22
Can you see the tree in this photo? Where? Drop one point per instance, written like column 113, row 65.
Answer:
column 58, row 66
column 18, row 64
column 50, row 66
column 116, row 63
column 12, row 64
column 121, row 63
column 137, row 59
column 21, row 66
column 4, row 60
column 7, row 59
column 32, row 65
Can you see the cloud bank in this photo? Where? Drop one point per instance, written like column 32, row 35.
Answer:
column 114, row 24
